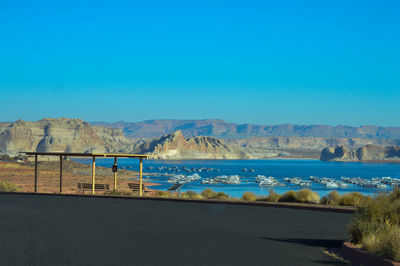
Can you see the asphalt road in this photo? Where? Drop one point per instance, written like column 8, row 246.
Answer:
column 53, row 230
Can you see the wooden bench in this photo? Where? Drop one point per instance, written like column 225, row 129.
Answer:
column 88, row 186
column 135, row 187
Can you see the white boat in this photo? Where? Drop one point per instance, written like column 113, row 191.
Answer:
column 331, row 184
column 270, row 181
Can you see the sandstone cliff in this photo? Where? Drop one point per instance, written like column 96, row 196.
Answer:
column 175, row 146
column 57, row 135
column 366, row 153
column 297, row 147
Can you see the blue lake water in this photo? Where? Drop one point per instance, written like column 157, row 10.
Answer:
column 279, row 169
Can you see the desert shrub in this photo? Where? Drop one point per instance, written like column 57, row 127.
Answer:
column 191, row 195
column 288, row 196
column 384, row 242
column 8, row 186
column 388, row 243
column 333, row 198
column 376, row 223
column 221, row 195
column 303, row 195
column 273, row 196
column 307, row 196
column 209, row 193
column 351, row 199
column 395, row 194
column 249, row 196
column 354, row 199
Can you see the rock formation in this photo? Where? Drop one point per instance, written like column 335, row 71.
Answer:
column 366, row 153
column 60, row 135
column 296, row 147
column 175, row 146
column 74, row 135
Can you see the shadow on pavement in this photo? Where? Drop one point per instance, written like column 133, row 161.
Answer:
column 327, row 262
column 322, row 243
column 328, row 243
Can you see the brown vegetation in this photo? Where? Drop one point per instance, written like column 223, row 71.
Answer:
column 376, row 225
column 249, row 196
column 303, row 196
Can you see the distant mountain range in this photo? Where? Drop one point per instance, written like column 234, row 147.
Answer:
column 222, row 129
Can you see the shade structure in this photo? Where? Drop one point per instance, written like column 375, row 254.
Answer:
column 94, row 156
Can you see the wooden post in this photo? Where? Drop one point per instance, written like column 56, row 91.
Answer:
column 115, row 174
column 93, row 174
column 140, row 177
column 36, row 171
column 61, row 166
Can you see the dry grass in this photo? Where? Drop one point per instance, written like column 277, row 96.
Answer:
column 376, row 225
column 308, row 196
column 288, row 196
column 164, row 194
column 209, row 193
column 333, row 198
column 8, row 187
column 303, row 195
column 249, row 196
column 272, row 197
column 191, row 195
column 335, row 254
column 350, row 199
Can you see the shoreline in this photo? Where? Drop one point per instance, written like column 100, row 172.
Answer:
column 243, row 159
column 366, row 161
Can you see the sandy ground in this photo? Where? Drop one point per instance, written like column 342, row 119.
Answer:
column 22, row 175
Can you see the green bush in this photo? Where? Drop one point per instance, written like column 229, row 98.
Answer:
column 376, row 225
column 8, row 186
column 249, row 196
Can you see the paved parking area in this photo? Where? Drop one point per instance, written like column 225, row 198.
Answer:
column 57, row 230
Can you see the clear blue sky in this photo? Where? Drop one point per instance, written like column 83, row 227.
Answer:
column 263, row 62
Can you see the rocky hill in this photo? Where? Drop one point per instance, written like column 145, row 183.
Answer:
column 74, row 135
column 175, row 146
column 221, row 129
column 297, row 147
column 367, row 153
column 63, row 134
